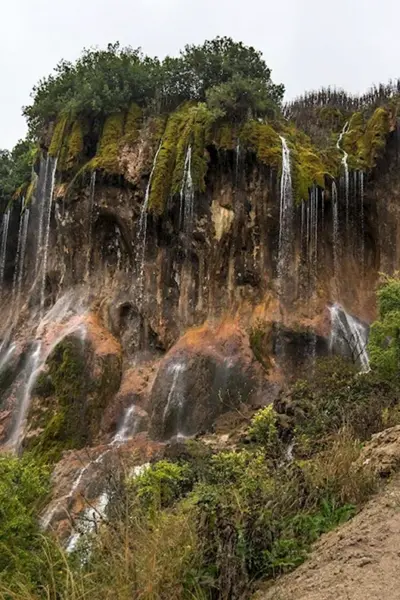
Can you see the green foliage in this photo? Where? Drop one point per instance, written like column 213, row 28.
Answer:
column 242, row 97
column 161, row 484
column 264, row 430
column 16, row 171
column 384, row 341
column 105, row 82
column 23, row 487
column 335, row 397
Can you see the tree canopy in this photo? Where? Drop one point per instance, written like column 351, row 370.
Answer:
column 102, row 82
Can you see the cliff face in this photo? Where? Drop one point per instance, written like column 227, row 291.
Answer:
column 119, row 320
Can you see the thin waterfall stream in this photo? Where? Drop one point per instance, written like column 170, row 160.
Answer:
column 3, row 248
column 142, row 233
column 346, row 170
column 48, row 199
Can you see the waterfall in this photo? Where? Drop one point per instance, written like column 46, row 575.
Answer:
column 47, row 214
column 346, row 170
column 335, row 215
column 4, row 360
column 285, row 218
column 41, row 200
column 31, row 369
column 361, row 175
column 3, row 248
column 187, row 195
column 349, row 337
column 303, row 216
column 142, row 233
column 315, row 231
column 22, row 252
column 237, row 153
column 92, row 190
column 175, row 397
column 19, row 241
column 128, row 426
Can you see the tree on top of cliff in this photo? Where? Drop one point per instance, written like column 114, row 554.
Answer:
column 102, row 82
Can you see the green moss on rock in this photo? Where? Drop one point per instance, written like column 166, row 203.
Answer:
column 264, row 141
column 74, row 146
column 132, row 123
column 107, row 157
column 58, row 136
column 70, row 401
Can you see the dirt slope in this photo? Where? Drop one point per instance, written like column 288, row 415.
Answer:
column 358, row 561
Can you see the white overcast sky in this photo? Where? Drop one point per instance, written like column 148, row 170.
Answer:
column 306, row 43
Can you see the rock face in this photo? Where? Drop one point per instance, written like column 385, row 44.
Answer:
column 128, row 321
column 208, row 372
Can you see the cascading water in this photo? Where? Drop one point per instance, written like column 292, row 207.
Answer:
column 346, row 171
column 31, row 372
column 285, row 219
column 349, row 337
column 361, row 176
column 5, row 358
column 19, row 242
column 92, row 190
column 237, row 162
column 175, row 400
column 49, row 202
column 142, row 233
column 3, row 248
column 22, row 252
column 335, row 220
column 40, row 197
column 186, row 210
column 128, row 426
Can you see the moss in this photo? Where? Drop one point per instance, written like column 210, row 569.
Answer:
column 195, row 132
column 30, row 191
column 133, row 119
column 365, row 140
column 309, row 166
column 58, row 136
column 374, row 139
column 164, row 168
column 224, row 136
column 264, row 141
column 71, row 402
column 74, row 145
column 108, row 150
column 188, row 126
column 63, row 391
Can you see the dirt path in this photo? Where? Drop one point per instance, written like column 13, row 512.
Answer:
column 358, row 561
